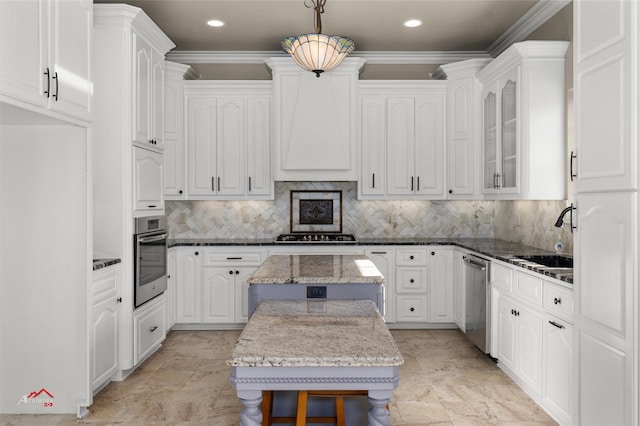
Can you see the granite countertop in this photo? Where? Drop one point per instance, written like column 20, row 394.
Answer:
column 317, row 269
column 331, row 333
column 103, row 263
column 497, row 249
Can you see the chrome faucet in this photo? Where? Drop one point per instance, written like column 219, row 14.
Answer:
column 560, row 220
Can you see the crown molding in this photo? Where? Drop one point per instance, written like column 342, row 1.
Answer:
column 372, row 57
column 528, row 23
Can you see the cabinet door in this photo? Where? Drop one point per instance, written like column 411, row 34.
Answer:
column 606, row 61
column 70, row 41
column 188, row 286
column 461, row 107
column 411, row 280
column 459, row 300
column 383, row 259
column 218, row 294
column 26, row 50
column 429, row 145
column 411, row 308
column 171, row 288
column 148, row 187
column 506, row 333
column 157, row 100
column 258, row 125
column 201, row 145
column 401, row 179
column 173, row 169
column 104, row 341
column 508, row 148
column 558, row 368
column 374, row 143
column 490, row 139
column 441, row 286
column 529, row 347
column 242, row 293
column 230, row 151
column 142, row 90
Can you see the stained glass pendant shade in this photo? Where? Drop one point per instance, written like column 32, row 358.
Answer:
column 317, row 52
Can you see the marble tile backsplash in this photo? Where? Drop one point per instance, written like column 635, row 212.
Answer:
column 532, row 223
column 526, row 222
column 267, row 219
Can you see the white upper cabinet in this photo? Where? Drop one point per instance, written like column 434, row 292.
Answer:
column 147, row 182
column 463, row 127
column 315, row 119
column 524, row 136
column 49, row 53
column 174, row 146
column 402, row 139
column 149, row 94
column 228, row 140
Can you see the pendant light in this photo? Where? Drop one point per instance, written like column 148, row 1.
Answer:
column 317, row 52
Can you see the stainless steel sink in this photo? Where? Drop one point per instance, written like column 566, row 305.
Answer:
column 552, row 260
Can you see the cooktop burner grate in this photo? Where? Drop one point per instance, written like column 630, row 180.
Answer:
column 316, row 238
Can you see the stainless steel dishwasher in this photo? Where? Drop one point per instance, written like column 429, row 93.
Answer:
column 477, row 301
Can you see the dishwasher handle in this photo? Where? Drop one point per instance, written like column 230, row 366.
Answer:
column 479, row 264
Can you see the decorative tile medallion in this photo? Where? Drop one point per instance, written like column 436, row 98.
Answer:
column 316, row 211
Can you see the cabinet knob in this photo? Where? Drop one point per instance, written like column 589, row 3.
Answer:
column 557, row 301
column 412, row 309
column 411, row 257
column 237, row 272
column 451, row 191
column 513, row 312
column 197, row 253
column 230, row 272
column 119, row 300
column 180, row 192
column 154, row 328
column 433, row 253
column 412, row 280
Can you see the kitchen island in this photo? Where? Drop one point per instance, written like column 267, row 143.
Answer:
column 299, row 277
column 315, row 345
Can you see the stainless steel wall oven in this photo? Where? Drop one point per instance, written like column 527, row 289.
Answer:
column 149, row 258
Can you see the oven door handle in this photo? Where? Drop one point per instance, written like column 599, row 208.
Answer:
column 153, row 238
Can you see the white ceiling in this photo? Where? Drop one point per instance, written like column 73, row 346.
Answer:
column 452, row 29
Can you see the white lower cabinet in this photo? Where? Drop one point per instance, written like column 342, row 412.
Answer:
column 441, row 285
column 532, row 335
column 105, row 315
column 384, row 259
column 558, row 366
column 411, row 308
column 520, row 342
column 411, row 285
column 211, row 283
column 149, row 328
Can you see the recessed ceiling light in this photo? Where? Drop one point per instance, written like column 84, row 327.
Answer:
column 215, row 23
column 412, row 23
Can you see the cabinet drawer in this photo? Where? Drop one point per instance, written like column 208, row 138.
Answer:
column 215, row 258
column 502, row 277
column 149, row 330
column 528, row 288
column 558, row 301
column 411, row 308
column 411, row 257
column 411, row 280
column 105, row 283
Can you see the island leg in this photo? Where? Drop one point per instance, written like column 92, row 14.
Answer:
column 379, row 414
column 251, row 414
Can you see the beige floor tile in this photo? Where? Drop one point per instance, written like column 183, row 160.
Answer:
column 445, row 381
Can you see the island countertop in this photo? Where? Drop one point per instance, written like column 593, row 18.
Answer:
column 331, row 333
column 317, row 269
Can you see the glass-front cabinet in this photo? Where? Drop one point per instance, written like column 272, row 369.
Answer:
column 524, row 118
column 500, row 136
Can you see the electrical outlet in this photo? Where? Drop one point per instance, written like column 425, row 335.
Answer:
column 464, row 218
column 182, row 219
column 245, row 215
column 316, row 292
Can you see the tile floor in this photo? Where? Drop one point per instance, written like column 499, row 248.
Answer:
column 445, row 381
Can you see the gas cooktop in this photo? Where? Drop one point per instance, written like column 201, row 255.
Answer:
column 316, row 238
